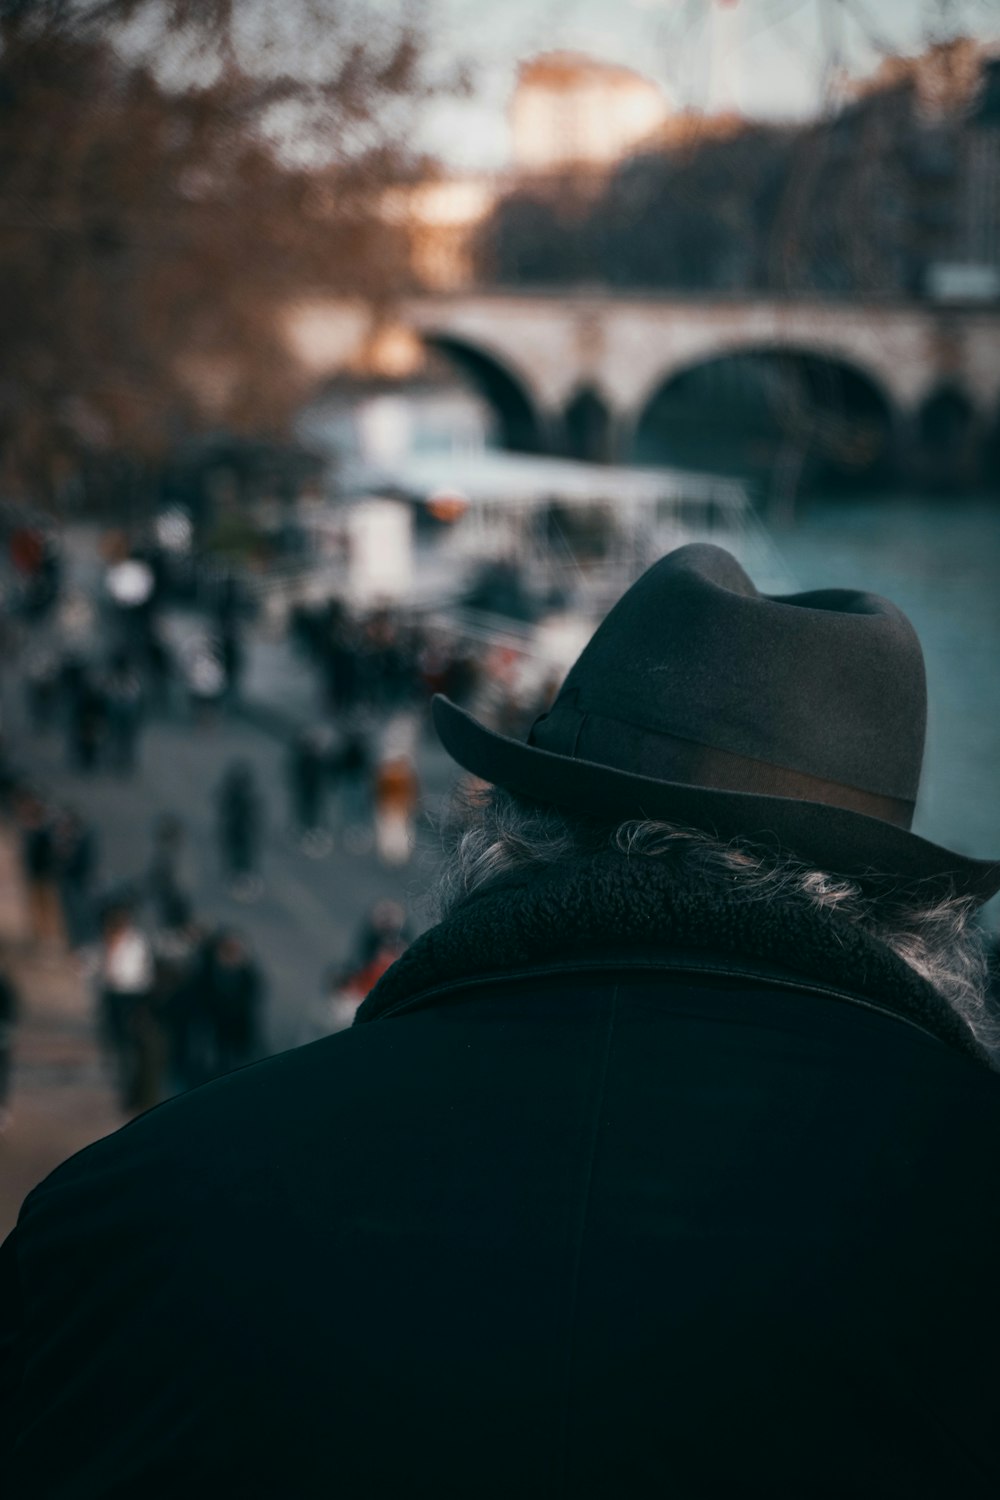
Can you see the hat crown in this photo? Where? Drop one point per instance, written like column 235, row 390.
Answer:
column 829, row 684
column 794, row 721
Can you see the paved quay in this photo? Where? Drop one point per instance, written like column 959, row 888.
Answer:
column 60, row 1099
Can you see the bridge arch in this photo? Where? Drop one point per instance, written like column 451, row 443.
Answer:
column 780, row 412
column 521, row 426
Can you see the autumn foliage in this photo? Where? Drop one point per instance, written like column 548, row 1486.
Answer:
column 170, row 176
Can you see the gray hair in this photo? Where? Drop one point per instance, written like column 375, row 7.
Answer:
column 492, row 833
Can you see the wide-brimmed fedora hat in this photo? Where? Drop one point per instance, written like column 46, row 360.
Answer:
column 794, row 720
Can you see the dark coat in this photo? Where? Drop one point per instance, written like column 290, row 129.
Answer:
column 580, row 1206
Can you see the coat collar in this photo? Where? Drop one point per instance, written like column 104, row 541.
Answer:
column 612, row 910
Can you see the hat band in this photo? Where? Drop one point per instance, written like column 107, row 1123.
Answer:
column 566, row 730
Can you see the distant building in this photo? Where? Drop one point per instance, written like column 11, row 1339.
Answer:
column 441, row 218
column 570, row 110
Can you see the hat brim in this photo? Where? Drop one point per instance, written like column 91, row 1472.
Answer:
column 831, row 838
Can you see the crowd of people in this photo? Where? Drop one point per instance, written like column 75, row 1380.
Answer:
column 179, row 997
column 178, row 1010
column 362, row 783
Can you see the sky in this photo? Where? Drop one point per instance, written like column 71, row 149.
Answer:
column 766, row 58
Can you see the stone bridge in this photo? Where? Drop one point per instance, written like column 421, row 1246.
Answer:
column 538, row 356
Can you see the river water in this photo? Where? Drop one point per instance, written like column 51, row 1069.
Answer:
column 938, row 558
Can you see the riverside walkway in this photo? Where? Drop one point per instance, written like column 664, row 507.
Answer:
column 60, row 1097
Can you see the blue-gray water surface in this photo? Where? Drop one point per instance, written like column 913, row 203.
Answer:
column 938, row 558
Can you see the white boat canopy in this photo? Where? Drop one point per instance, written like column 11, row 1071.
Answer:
column 517, row 479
